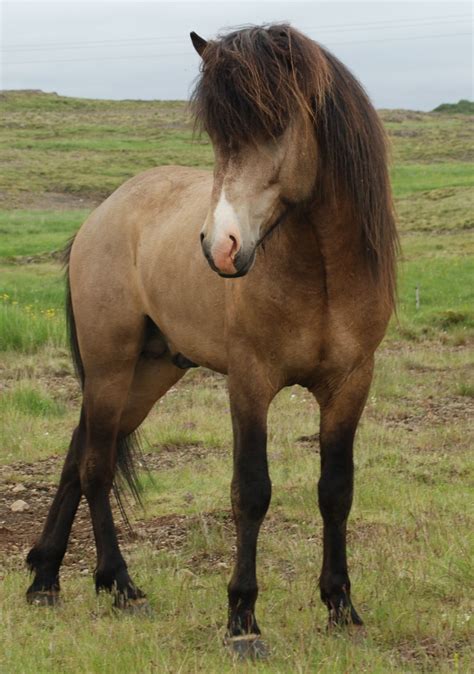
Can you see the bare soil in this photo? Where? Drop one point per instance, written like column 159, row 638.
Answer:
column 57, row 201
column 20, row 530
column 434, row 411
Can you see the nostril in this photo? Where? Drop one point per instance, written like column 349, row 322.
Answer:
column 201, row 236
column 233, row 250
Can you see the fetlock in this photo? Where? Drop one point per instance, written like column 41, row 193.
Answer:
column 46, row 570
column 338, row 601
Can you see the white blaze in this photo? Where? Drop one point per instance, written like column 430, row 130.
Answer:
column 225, row 217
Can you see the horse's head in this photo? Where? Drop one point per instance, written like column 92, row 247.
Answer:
column 254, row 187
column 260, row 125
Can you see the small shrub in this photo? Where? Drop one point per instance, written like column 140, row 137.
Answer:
column 449, row 318
column 463, row 107
column 465, row 389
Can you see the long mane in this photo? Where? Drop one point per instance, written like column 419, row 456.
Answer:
column 254, row 80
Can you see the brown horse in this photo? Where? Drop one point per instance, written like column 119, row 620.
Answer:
column 301, row 243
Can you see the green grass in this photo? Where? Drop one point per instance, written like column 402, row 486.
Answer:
column 86, row 148
column 419, row 178
column 31, row 306
column 32, row 295
column 31, row 233
column 410, row 547
column 27, row 400
column 445, row 295
column 27, row 329
column 436, row 211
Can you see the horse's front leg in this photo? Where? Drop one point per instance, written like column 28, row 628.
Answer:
column 250, row 397
column 340, row 414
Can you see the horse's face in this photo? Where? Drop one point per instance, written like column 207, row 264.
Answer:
column 253, row 189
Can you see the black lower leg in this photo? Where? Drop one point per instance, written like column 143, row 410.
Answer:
column 335, row 499
column 251, row 493
column 111, row 573
column 45, row 558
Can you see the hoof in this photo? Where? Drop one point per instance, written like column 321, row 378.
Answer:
column 43, row 598
column 135, row 607
column 355, row 618
column 341, row 611
column 247, row 647
column 344, row 617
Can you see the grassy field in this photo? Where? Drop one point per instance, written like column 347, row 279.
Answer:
column 410, row 543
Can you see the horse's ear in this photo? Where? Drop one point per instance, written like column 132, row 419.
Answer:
column 199, row 43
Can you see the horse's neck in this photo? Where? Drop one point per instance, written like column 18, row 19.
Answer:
column 321, row 240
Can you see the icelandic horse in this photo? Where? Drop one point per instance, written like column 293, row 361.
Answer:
column 277, row 269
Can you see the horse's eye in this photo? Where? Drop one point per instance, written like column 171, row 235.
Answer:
column 273, row 181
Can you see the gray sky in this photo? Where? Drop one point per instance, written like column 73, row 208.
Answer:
column 407, row 54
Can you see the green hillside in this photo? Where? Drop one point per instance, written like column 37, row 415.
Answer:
column 462, row 107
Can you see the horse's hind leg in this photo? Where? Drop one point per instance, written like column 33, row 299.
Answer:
column 105, row 396
column 152, row 378
column 45, row 558
column 340, row 414
column 114, row 408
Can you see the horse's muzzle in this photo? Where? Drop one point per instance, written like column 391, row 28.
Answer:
column 242, row 262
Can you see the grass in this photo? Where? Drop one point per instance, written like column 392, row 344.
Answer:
column 31, row 306
column 26, row 400
column 407, row 571
column 412, row 178
column 86, row 148
column 32, row 294
column 34, row 233
column 444, row 296
column 410, row 547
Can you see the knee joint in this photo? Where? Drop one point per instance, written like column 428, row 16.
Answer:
column 252, row 499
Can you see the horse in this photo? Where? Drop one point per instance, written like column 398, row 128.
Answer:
column 277, row 269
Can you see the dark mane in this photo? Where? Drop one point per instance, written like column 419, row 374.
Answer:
column 252, row 83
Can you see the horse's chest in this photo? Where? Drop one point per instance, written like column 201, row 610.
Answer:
column 287, row 336
column 295, row 348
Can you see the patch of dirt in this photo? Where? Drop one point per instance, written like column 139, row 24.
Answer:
column 312, row 440
column 57, row 201
column 35, row 483
column 429, row 651
column 389, row 115
column 31, row 482
column 64, row 390
column 406, row 133
column 203, row 562
column 53, row 256
column 433, row 411
column 367, row 532
column 178, row 454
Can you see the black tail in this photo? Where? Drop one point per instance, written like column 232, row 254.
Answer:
column 128, row 447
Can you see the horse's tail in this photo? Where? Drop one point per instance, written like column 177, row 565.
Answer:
column 128, row 447
column 70, row 320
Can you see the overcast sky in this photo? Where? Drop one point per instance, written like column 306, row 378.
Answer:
column 407, row 54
